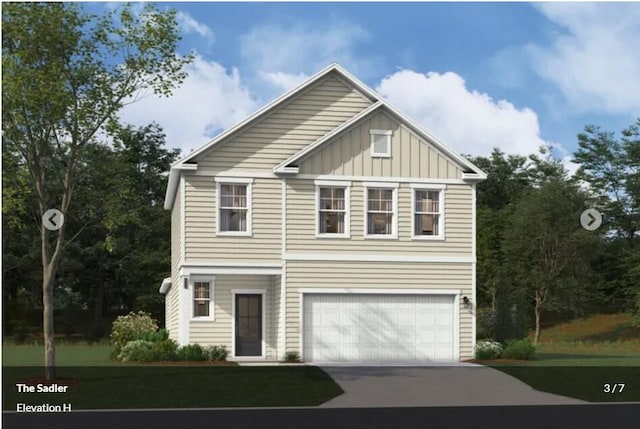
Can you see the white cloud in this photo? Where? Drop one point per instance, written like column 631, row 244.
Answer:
column 283, row 81
column 595, row 60
column 191, row 25
column 283, row 55
column 468, row 121
column 211, row 99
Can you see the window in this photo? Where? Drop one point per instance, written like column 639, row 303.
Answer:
column 234, row 206
column 333, row 209
column 380, row 143
column 427, row 213
column 381, row 211
column 202, row 299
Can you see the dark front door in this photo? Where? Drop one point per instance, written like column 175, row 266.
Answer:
column 248, row 325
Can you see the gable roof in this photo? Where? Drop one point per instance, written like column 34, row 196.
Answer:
column 187, row 161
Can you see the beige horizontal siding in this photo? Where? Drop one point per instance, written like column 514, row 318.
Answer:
column 275, row 137
column 354, row 275
column 301, row 223
column 201, row 210
column 350, row 154
column 220, row 332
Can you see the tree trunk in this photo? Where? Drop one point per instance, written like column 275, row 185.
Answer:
column 47, row 316
column 538, row 310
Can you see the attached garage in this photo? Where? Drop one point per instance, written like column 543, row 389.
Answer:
column 379, row 327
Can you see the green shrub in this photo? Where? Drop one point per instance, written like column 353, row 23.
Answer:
column 217, row 353
column 292, row 357
column 519, row 349
column 165, row 350
column 192, row 352
column 155, row 336
column 131, row 327
column 137, row 350
column 488, row 349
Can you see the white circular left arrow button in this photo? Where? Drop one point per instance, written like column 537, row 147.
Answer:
column 52, row 219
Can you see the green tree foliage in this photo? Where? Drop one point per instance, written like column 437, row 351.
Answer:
column 611, row 168
column 66, row 74
column 546, row 246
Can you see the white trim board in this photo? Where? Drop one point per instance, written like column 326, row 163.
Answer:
column 247, row 270
column 377, row 257
column 379, row 291
column 193, row 263
column 419, row 180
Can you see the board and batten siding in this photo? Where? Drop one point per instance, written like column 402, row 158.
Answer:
column 172, row 297
column 301, row 223
column 202, row 243
column 387, row 275
column 349, row 154
column 220, row 331
column 280, row 134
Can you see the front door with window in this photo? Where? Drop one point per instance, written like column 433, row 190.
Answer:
column 248, row 325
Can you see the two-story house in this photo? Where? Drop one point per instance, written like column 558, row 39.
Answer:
column 329, row 224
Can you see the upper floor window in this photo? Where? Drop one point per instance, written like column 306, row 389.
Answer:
column 381, row 211
column 428, row 217
column 333, row 209
column 234, row 207
column 380, row 143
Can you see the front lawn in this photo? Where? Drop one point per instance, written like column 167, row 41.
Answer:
column 66, row 355
column 155, row 386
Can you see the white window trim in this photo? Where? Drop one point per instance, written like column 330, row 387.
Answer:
column 237, row 181
column 437, row 188
column 388, row 134
column 235, row 292
column 365, row 204
column 347, row 205
column 202, row 278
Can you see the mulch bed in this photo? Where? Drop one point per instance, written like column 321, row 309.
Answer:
column 484, row 362
column 184, row 363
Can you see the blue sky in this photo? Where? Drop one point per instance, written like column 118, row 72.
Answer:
column 477, row 75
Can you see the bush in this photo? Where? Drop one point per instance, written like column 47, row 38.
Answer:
column 165, row 350
column 292, row 357
column 217, row 353
column 131, row 327
column 155, row 336
column 488, row 349
column 519, row 349
column 192, row 352
column 137, row 350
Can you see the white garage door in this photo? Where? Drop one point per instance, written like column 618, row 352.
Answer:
column 378, row 328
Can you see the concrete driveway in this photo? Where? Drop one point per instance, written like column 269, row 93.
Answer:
column 444, row 385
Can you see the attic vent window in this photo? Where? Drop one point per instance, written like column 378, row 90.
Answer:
column 381, row 143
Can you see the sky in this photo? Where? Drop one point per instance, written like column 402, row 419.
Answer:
column 476, row 75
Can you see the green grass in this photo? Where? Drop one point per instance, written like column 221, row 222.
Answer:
column 66, row 355
column 578, row 358
column 176, row 386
